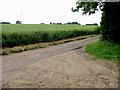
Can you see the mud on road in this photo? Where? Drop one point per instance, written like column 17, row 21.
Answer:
column 72, row 69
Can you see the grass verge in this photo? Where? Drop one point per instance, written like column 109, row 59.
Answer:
column 18, row 49
column 104, row 50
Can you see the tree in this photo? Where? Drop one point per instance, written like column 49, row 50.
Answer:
column 110, row 24
column 18, row 22
column 4, row 22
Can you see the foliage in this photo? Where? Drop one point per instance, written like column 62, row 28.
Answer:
column 18, row 22
column 93, row 24
column 14, row 35
column 4, row 22
column 88, row 7
column 110, row 17
column 111, row 22
column 18, row 49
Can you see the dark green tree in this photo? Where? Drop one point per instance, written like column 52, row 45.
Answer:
column 110, row 24
column 18, row 22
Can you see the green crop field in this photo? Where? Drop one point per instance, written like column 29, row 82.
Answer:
column 23, row 34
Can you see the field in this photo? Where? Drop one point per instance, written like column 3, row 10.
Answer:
column 23, row 34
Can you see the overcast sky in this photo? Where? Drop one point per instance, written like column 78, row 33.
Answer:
column 43, row 11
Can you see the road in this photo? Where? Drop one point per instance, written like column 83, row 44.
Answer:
column 63, row 66
column 21, row 59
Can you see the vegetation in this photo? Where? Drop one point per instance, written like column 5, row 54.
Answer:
column 74, row 23
column 110, row 22
column 18, row 49
column 19, row 34
column 110, row 17
column 18, row 22
column 4, row 22
column 105, row 50
column 108, row 47
column 93, row 24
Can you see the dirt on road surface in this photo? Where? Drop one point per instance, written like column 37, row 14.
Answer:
column 71, row 69
column 61, row 66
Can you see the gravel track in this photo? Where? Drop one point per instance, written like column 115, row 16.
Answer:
column 69, row 69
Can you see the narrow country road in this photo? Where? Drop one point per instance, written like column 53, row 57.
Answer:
column 60, row 66
column 25, row 58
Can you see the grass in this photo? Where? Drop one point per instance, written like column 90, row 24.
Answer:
column 18, row 49
column 104, row 50
column 20, row 34
column 27, row 28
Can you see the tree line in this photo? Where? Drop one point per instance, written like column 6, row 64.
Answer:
column 17, row 22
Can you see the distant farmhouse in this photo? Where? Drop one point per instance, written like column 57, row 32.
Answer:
column 4, row 22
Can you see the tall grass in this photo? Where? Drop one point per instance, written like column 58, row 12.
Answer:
column 15, row 35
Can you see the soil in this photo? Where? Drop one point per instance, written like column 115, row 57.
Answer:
column 72, row 69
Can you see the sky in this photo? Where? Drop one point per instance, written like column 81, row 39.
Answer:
column 44, row 11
